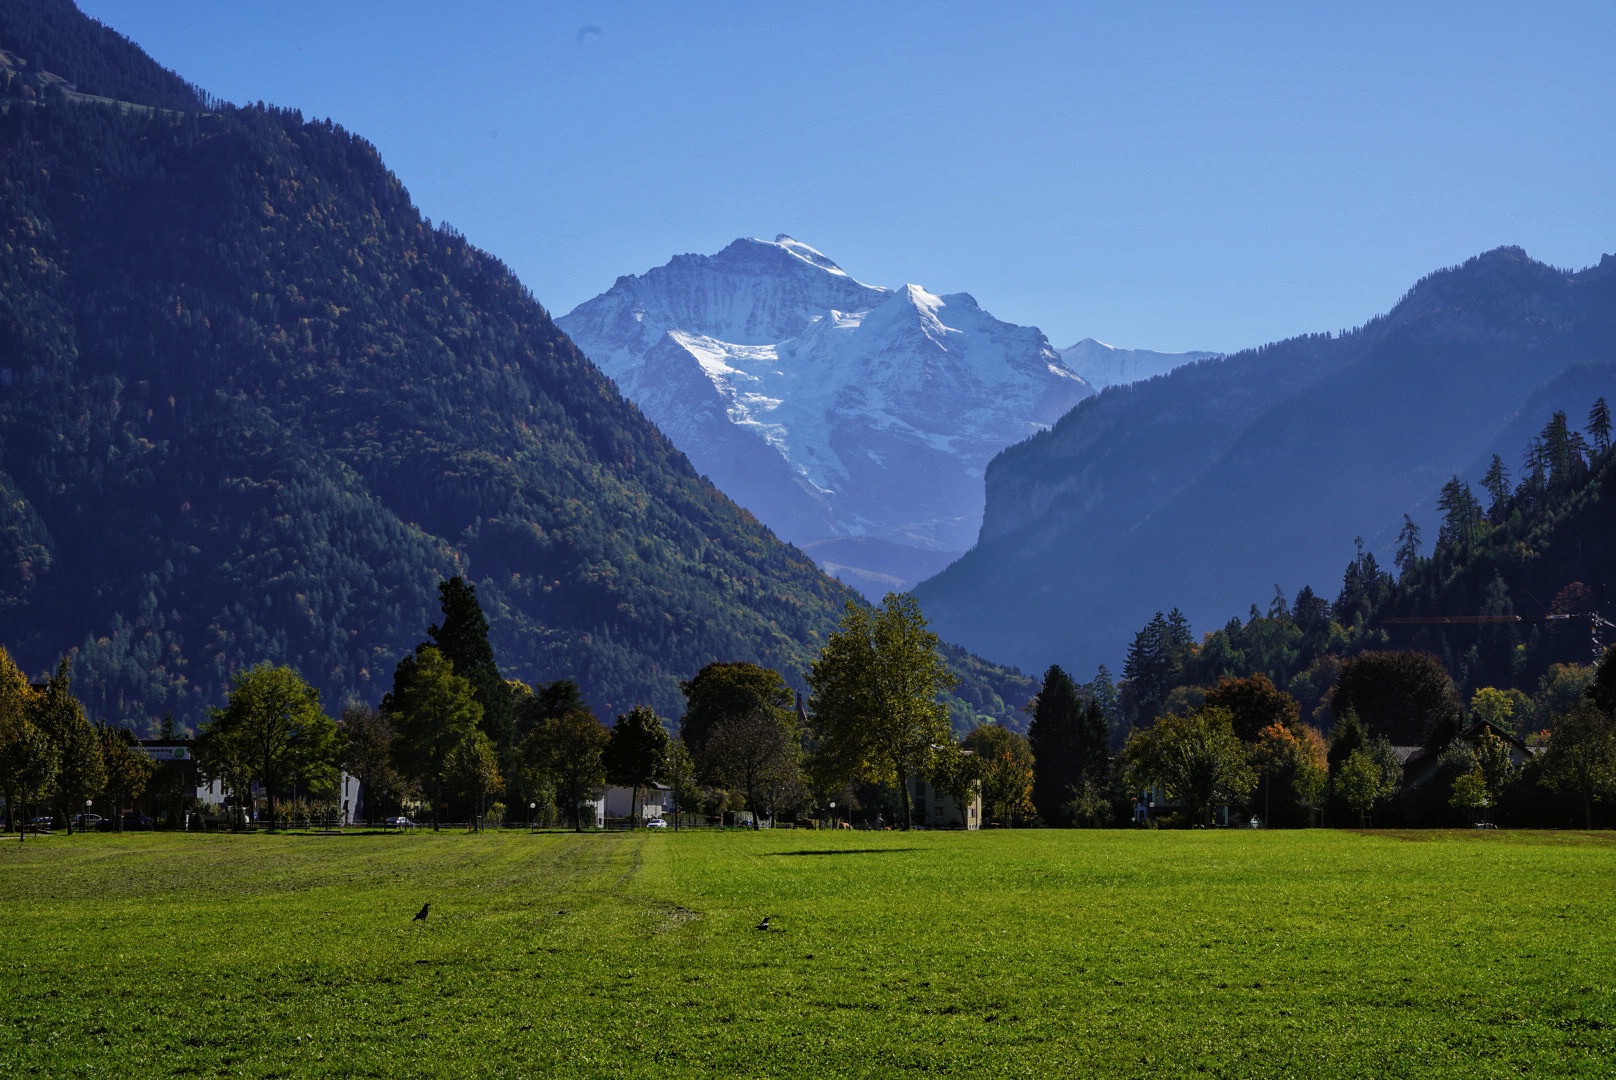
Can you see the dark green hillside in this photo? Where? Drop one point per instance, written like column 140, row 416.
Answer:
column 1517, row 578
column 57, row 42
column 1205, row 488
column 1542, row 550
column 253, row 407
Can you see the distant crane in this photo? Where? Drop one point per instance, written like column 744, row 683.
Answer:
column 1597, row 623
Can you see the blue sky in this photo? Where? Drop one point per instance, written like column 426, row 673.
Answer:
column 1166, row 176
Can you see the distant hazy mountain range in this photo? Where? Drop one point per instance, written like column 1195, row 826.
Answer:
column 854, row 420
column 1103, row 365
column 1206, row 487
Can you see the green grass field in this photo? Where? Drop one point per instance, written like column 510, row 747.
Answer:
column 1044, row 954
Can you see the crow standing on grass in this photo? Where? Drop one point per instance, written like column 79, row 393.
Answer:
column 420, row 916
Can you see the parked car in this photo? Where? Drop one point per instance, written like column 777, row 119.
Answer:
column 399, row 821
column 43, row 821
column 655, row 823
column 131, row 823
column 87, row 821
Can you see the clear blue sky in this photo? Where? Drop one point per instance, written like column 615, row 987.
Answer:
column 1155, row 175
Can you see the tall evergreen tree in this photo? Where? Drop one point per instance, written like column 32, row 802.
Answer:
column 462, row 638
column 1155, row 662
column 1408, row 547
column 1599, row 425
column 1461, row 515
column 1496, row 484
column 1054, row 739
column 1104, row 693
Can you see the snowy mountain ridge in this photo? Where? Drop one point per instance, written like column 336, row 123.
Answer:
column 832, row 409
column 1107, row 365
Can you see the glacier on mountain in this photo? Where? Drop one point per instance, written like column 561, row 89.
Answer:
column 854, row 420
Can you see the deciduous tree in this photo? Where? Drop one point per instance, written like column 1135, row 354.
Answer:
column 1406, row 696
column 1008, row 772
column 636, row 756
column 1293, row 765
column 1581, row 756
column 367, row 754
column 27, row 760
column 958, row 775
column 81, row 773
column 565, row 751
column 1360, row 783
column 1507, row 710
column 875, row 695
column 1196, row 758
column 433, row 711
column 1470, row 792
column 129, row 770
column 473, row 769
column 723, row 691
column 272, row 732
column 1254, row 704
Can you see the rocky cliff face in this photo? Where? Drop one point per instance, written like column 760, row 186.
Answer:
column 850, row 418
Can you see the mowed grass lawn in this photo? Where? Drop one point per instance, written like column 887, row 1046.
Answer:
column 1045, row 954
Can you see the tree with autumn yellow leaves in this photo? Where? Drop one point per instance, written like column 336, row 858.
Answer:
column 1005, row 766
column 1291, row 760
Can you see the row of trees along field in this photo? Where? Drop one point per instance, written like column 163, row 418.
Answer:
column 456, row 736
column 1352, row 709
column 53, row 759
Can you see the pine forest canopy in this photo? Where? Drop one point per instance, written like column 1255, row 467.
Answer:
column 256, row 408
column 1512, row 594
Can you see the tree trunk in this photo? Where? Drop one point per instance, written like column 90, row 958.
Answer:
column 903, row 783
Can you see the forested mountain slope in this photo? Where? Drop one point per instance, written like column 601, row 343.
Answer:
column 253, row 407
column 1533, row 555
column 1204, row 488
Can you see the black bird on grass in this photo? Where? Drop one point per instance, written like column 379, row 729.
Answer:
column 764, row 925
column 420, row 916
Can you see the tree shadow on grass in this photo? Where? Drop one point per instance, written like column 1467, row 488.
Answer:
column 845, row 851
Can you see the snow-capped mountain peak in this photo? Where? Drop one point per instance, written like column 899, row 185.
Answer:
column 808, row 255
column 832, row 409
column 1106, row 365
